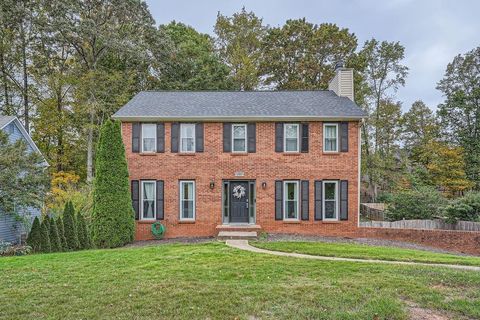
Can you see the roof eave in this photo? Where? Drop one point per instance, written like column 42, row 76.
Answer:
column 237, row 118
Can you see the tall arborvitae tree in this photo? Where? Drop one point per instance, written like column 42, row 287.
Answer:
column 83, row 234
column 55, row 241
column 113, row 222
column 61, row 233
column 70, row 227
column 45, row 236
column 34, row 236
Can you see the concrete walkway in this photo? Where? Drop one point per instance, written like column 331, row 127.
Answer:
column 243, row 245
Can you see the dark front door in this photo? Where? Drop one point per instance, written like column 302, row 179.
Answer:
column 238, row 201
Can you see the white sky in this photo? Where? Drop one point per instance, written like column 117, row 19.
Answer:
column 433, row 32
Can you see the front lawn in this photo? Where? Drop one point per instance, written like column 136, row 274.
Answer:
column 360, row 251
column 213, row 281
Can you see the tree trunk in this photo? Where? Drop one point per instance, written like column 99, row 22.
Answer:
column 6, row 103
column 90, row 148
column 59, row 155
column 25, row 80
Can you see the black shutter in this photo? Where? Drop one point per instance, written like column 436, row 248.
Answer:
column 227, row 137
column 136, row 132
column 251, row 137
column 318, row 200
column 279, row 200
column 160, row 205
column 305, row 197
column 175, row 136
column 278, row 137
column 304, row 130
column 344, row 137
column 343, row 200
column 199, row 137
column 160, row 137
column 135, row 197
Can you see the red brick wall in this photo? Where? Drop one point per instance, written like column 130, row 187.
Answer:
column 263, row 166
column 461, row 241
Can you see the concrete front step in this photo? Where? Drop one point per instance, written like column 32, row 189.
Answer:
column 239, row 227
column 237, row 235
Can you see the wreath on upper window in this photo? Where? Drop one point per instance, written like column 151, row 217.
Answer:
column 238, row 191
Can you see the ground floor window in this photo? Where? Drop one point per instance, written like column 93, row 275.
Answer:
column 148, row 200
column 330, row 200
column 290, row 200
column 187, row 200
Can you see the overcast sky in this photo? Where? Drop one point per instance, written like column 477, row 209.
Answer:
column 433, row 32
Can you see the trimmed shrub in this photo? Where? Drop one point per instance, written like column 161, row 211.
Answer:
column 33, row 239
column 70, row 227
column 466, row 208
column 83, row 235
column 422, row 202
column 113, row 222
column 61, row 233
column 44, row 236
column 55, row 241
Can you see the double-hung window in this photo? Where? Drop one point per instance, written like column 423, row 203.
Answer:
column 148, row 200
column 330, row 200
column 187, row 200
column 330, row 137
column 290, row 200
column 187, row 137
column 239, row 137
column 291, row 135
column 149, row 137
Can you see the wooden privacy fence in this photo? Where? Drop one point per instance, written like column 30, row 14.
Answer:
column 423, row 224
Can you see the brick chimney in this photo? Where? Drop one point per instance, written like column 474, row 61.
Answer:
column 342, row 83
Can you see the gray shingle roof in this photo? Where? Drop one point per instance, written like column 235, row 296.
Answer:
column 4, row 120
column 214, row 105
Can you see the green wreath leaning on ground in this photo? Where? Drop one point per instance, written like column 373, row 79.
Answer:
column 158, row 230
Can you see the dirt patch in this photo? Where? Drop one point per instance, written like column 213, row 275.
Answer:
column 417, row 313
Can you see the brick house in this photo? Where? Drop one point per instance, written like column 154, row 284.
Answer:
column 279, row 161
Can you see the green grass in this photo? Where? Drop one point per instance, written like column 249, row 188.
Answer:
column 361, row 251
column 213, row 281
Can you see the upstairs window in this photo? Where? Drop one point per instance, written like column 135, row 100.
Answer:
column 239, row 137
column 149, row 137
column 148, row 200
column 187, row 200
column 290, row 200
column 187, row 137
column 330, row 137
column 291, row 135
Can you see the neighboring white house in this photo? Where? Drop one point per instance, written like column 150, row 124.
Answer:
column 11, row 229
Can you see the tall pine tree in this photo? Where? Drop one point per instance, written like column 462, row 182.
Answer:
column 70, row 227
column 45, row 236
column 61, row 233
column 55, row 242
column 33, row 239
column 113, row 222
column 83, row 234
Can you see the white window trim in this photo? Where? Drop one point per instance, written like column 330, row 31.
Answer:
column 325, row 125
column 142, row 182
column 233, row 137
column 337, row 203
column 285, row 137
column 194, row 138
column 285, row 200
column 155, row 136
column 182, row 182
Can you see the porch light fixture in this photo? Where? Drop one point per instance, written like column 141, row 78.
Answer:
column 212, row 184
column 264, row 185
